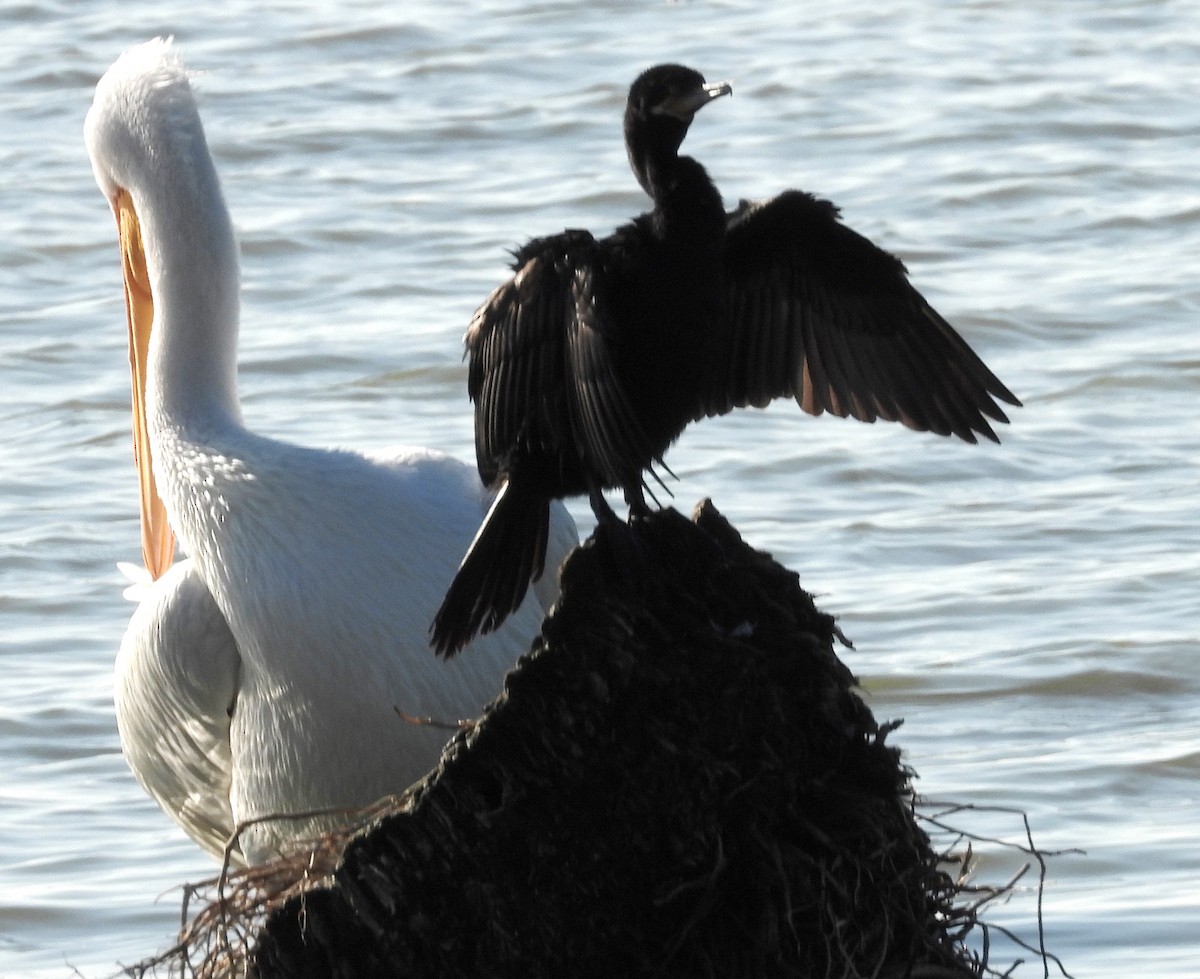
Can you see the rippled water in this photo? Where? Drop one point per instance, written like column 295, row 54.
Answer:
column 1028, row 608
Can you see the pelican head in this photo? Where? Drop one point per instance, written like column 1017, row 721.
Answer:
column 151, row 161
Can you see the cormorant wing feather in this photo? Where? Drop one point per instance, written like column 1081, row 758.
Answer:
column 604, row 420
column 541, row 370
column 816, row 311
column 517, row 348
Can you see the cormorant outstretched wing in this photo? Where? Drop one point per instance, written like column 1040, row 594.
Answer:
column 542, row 370
column 817, row 312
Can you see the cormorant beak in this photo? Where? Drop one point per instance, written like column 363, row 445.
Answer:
column 158, row 542
column 685, row 105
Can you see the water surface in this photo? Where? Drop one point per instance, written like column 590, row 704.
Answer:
column 1028, row 609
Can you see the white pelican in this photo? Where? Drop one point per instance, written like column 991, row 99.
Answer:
column 266, row 674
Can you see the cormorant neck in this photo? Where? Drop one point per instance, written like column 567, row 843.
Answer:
column 686, row 200
column 653, row 149
column 680, row 187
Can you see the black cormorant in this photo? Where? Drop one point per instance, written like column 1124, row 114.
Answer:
column 589, row 362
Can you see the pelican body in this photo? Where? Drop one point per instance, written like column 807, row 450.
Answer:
column 268, row 674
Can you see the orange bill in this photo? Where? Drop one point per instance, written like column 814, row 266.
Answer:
column 158, row 542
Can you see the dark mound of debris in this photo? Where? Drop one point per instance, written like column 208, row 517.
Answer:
column 678, row 780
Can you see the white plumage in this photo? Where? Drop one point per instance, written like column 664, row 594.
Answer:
column 265, row 674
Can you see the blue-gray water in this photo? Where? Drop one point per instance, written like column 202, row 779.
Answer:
column 1028, row 608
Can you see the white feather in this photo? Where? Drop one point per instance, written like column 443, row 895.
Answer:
column 265, row 674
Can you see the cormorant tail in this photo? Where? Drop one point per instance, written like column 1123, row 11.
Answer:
column 508, row 552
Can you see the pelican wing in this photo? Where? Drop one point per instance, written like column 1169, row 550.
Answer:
column 176, row 687
column 817, row 312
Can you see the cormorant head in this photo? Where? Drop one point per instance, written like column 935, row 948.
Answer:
column 661, row 105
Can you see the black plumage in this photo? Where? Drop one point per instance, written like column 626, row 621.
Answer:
column 591, row 360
